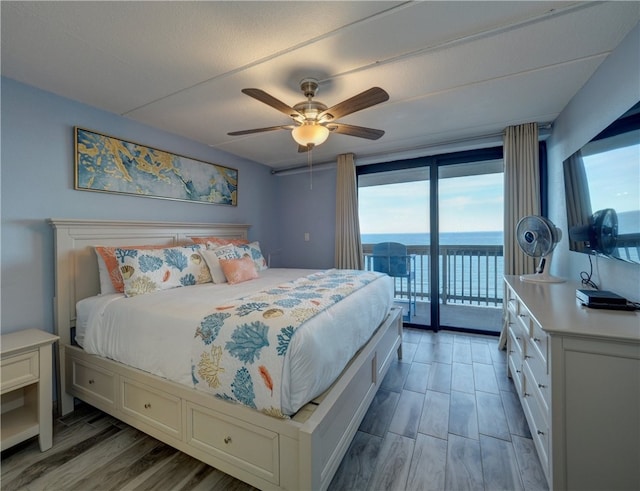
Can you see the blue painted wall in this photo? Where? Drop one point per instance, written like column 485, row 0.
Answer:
column 610, row 92
column 37, row 183
column 305, row 208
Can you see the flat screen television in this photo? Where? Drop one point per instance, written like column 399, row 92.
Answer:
column 602, row 190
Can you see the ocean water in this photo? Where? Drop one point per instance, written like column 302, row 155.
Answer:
column 447, row 238
column 464, row 279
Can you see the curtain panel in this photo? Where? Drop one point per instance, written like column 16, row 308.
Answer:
column 348, row 247
column 576, row 188
column 521, row 198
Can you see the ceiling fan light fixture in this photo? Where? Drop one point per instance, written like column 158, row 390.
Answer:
column 310, row 134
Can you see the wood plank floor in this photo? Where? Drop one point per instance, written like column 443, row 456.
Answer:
column 446, row 417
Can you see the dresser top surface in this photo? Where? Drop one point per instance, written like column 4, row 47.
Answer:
column 554, row 306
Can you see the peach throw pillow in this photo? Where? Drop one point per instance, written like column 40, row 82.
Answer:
column 238, row 270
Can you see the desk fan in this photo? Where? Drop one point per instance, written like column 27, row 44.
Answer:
column 601, row 233
column 537, row 237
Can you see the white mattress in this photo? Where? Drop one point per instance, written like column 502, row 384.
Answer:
column 154, row 332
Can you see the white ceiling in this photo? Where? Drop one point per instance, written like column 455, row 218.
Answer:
column 454, row 70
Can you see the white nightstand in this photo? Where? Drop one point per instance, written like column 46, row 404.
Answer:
column 26, row 387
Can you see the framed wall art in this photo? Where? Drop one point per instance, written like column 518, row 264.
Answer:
column 112, row 165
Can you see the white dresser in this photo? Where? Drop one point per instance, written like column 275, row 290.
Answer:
column 577, row 373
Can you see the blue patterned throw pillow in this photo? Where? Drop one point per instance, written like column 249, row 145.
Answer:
column 146, row 271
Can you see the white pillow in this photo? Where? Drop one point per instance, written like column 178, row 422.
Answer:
column 212, row 258
column 106, row 286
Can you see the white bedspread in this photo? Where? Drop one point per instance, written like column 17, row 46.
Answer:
column 154, row 332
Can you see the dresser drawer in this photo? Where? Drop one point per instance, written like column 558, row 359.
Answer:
column 92, row 382
column 154, row 407
column 248, row 447
column 512, row 304
column 19, row 370
column 540, row 343
column 519, row 337
column 537, row 365
column 523, row 319
column 538, row 425
column 515, row 360
column 539, row 387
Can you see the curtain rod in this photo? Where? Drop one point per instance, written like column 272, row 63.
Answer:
column 543, row 128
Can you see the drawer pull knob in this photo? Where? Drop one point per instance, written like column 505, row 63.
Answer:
column 542, row 386
column 526, row 357
column 537, row 340
column 147, row 405
column 518, row 338
column 91, row 381
column 526, row 394
column 518, row 371
column 522, row 315
column 540, row 432
column 227, row 439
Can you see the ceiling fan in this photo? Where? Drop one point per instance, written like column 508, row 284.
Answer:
column 313, row 121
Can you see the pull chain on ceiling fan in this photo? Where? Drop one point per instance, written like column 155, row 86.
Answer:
column 313, row 121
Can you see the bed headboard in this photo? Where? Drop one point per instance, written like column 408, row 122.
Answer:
column 76, row 266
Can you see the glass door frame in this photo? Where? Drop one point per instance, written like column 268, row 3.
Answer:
column 433, row 163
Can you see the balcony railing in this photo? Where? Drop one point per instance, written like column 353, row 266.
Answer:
column 628, row 247
column 469, row 274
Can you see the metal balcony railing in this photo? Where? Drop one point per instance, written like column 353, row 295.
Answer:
column 628, row 247
column 469, row 274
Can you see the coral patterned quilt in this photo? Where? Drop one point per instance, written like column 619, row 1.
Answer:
column 239, row 348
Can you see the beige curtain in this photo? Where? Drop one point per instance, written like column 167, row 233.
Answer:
column 577, row 191
column 521, row 198
column 348, row 251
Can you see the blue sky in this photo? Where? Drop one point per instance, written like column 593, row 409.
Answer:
column 614, row 182
column 614, row 179
column 475, row 203
column 470, row 203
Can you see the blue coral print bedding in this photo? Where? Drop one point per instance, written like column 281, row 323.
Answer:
column 239, row 348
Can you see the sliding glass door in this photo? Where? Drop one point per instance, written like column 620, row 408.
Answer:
column 470, row 219
column 394, row 208
column 447, row 212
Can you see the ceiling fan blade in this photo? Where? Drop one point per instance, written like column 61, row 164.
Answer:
column 260, row 130
column 359, row 131
column 368, row 98
column 269, row 100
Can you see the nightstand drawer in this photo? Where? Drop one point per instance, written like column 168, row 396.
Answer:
column 19, row 370
column 154, row 407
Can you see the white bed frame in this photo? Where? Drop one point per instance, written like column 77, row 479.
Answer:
column 268, row 453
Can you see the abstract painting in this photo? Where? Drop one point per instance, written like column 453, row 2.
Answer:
column 107, row 164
